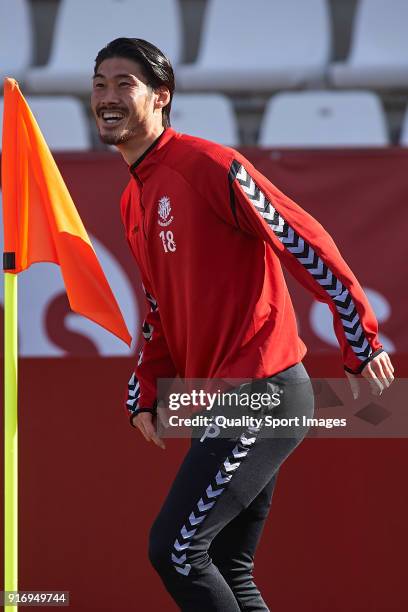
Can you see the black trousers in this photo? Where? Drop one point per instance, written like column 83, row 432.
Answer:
column 203, row 542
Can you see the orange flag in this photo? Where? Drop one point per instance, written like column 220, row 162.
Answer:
column 41, row 222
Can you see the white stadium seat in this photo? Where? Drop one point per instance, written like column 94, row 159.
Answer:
column 324, row 119
column 209, row 116
column 15, row 39
column 83, row 28
column 379, row 50
column 260, row 45
column 62, row 121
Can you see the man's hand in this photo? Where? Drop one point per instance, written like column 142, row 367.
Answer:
column 145, row 422
column 379, row 372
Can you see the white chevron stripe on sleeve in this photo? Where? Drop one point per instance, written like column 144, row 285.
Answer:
column 306, row 256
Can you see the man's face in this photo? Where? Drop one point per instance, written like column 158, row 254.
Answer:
column 121, row 101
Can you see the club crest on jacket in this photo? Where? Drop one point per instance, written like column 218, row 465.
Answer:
column 164, row 209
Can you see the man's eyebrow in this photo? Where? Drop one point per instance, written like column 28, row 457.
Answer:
column 116, row 76
column 127, row 75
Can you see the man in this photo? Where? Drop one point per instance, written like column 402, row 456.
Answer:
column 209, row 233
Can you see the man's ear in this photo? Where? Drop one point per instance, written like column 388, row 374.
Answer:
column 162, row 96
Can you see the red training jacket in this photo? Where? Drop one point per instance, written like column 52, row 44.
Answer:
column 209, row 234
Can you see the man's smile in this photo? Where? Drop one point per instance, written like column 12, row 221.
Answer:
column 111, row 117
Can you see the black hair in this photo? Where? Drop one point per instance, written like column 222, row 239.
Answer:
column 156, row 67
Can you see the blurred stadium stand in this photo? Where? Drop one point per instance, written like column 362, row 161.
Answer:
column 217, row 120
column 379, row 51
column 277, row 45
column 81, row 29
column 324, row 119
column 15, row 25
column 70, row 134
column 404, row 130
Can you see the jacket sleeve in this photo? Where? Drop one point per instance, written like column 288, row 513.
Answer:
column 154, row 362
column 306, row 249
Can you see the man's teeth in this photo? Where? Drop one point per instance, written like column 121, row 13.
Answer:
column 112, row 117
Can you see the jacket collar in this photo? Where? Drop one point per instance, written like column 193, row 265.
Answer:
column 141, row 168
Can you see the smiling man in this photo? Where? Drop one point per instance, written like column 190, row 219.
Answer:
column 209, row 233
column 124, row 103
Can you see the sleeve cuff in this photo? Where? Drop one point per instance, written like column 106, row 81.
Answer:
column 153, row 410
column 364, row 363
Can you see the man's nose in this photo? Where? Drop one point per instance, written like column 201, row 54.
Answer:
column 110, row 96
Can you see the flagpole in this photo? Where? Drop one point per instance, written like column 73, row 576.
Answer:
column 10, row 436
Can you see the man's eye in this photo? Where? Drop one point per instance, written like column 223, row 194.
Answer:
column 98, row 85
column 124, row 84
